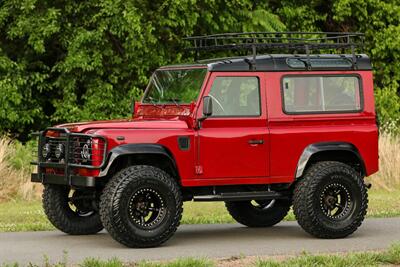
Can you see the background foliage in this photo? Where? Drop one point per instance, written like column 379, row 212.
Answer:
column 80, row 60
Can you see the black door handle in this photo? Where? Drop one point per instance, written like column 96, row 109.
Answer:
column 256, row 142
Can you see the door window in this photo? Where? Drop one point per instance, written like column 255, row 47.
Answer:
column 235, row 96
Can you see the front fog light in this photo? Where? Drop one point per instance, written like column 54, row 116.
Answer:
column 59, row 151
column 85, row 153
column 46, row 150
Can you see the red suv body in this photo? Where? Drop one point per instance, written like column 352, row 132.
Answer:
column 221, row 153
column 249, row 127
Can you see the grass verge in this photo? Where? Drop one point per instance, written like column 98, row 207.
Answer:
column 188, row 262
column 28, row 216
column 389, row 257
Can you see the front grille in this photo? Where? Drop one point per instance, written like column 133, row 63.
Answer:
column 86, row 151
column 79, row 150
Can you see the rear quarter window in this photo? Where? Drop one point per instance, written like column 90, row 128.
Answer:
column 321, row 94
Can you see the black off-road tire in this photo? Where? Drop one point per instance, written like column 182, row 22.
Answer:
column 60, row 214
column 309, row 201
column 116, row 211
column 246, row 213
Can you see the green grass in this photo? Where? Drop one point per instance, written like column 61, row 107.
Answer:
column 390, row 257
column 23, row 216
column 29, row 216
column 383, row 204
column 92, row 262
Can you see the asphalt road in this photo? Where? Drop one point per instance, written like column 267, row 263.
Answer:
column 216, row 241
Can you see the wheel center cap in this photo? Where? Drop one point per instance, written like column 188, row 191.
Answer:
column 141, row 206
column 330, row 200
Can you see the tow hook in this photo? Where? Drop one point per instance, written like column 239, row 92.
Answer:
column 368, row 185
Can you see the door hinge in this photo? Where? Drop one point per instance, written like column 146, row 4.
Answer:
column 198, row 169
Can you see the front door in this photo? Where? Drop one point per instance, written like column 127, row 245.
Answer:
column 233, row 142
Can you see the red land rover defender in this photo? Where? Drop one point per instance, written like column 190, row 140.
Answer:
column 262, row 133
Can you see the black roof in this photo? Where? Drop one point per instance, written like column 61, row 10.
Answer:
column 284, row 62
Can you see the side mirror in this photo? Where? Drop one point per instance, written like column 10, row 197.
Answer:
column 207, row 106
column 207, row 111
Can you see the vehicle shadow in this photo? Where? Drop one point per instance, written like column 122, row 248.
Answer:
column 198, row 234
column 221, row 232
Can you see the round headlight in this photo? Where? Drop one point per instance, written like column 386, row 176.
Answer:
column 59, row 151
column 46, row 151
column 85, row 153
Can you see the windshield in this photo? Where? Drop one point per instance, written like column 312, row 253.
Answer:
column 174, row 86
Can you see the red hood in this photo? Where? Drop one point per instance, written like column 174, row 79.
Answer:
column 125, row 124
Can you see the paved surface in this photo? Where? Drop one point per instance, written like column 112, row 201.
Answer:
column 218, row 241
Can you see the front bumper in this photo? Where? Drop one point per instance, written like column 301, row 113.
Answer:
column 65, row 172
column 74, row 180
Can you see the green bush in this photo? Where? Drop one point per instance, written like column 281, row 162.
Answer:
column 22, row 155
column 83, row 60
column 388, row 109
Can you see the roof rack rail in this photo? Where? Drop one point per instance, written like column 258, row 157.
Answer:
column 289, row 41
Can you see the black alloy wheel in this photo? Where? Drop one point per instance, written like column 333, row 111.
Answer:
column 72, row 211
column 146, row 208
column 82, row 202
column 141, row 206
column 336, row 201
column 330, row 200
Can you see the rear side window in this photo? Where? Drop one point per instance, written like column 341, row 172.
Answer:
column 319, row 94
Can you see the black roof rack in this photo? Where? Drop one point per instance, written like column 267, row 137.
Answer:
column 273, row 41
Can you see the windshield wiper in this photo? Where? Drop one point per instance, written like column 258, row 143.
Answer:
column 175, row 101
column 151, row 100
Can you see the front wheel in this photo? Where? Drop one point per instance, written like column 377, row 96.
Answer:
column 72, row 211
column 331, row 200
column 258, row 213
column 141, row 206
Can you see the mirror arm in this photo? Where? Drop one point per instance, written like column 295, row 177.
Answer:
column 199, row 121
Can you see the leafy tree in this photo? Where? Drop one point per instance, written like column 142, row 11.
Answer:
column 81, row 60
column 378, row 19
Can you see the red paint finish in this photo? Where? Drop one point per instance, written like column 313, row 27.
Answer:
column 291, row 134
column 164, row 123
column 220, row 153
column 168, row 137
column 223, row 142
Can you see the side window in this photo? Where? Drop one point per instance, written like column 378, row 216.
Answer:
column 321, row 94
column 235, row 96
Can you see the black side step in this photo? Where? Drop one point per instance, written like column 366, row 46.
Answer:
column 239, row 196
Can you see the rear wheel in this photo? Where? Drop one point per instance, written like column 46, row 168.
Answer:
column 71, row 211
column 141, row 206
column 258, row 213
column 331, row 200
